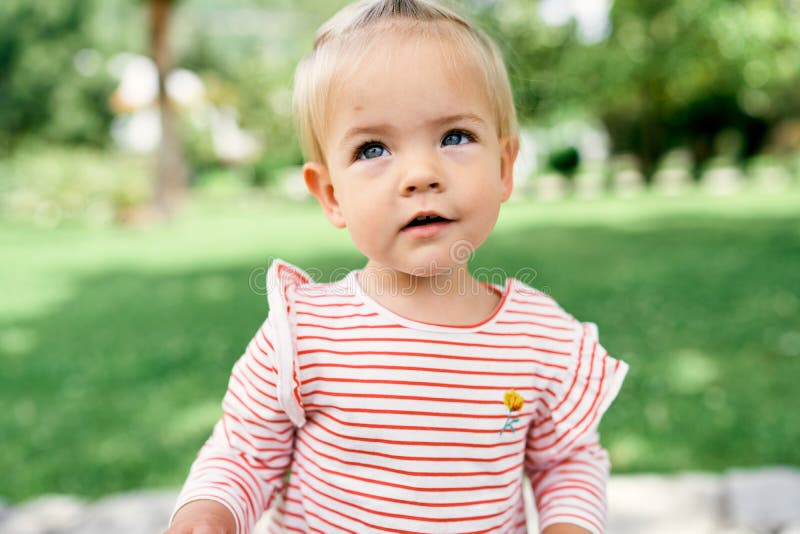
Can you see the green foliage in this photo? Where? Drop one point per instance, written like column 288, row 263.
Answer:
column 565, row 160
column 669, row 74
column 50, row 184
column 41, row 93
column 251, row 70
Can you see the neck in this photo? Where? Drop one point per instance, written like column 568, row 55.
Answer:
column 454, row 297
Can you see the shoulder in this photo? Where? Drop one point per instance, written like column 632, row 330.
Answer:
column 539, row 307
column 288, row 284
column 282, row 277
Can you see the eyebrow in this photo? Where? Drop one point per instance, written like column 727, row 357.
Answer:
column 439, row 121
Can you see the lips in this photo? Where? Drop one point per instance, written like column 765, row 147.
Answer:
column 425, row 218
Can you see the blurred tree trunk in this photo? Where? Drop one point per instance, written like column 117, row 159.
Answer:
column 170, row 169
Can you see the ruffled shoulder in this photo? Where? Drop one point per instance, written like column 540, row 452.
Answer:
column 283, row 280
column 583, row 393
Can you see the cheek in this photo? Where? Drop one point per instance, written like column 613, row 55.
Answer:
column 484, row 198
column 362, row 210
column 487, row 188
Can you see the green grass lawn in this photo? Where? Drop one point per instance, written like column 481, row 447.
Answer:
column 116, row 344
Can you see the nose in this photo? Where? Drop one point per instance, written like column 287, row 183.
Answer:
column 422, row 184
column 422, row 175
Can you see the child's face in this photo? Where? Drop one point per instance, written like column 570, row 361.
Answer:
column 408, row 134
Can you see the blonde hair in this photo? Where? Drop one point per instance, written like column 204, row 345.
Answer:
column 345, row 38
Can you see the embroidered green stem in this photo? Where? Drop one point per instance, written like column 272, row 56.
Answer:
column 509, row 423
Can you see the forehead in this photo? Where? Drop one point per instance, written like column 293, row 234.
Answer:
column 403, row 77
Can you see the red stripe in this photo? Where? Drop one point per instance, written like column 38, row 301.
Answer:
column 416, row 502
column 533, row 323
column 542, row 302
column 564, row 399
column 231, row 393
column 395, row 485
column 238, row 519
column 454, row 474
column 282, row 450
column 275, row 521
column 591, row 510
column 537, row 314
column 410, row 412
column 290, row 274
column 331, row 305
column 415, row 340
column 526, row 334
column 266, row 340
column 323, row 520
column 247, row 376
column 562, row 473
column 591, row 411
column 260, row 437
column 568, row 394
column 427, row 369
column 262, row 359
column 494, row 529
column 408, row 517
column 252, row 477
column 414, row 458
column 452, row 343
column 549, row 351
column 411, row 427
column 240, row 483
column 407, row 397
column 575, row 516
column 419, row 443
column 353, row 327
column 296, row 390
column 574, row 484
column 312, row 314
column 411, row 354
column 269, row 408
column 355, row 519
column 472, row 387
column 266, row 382
column 591, row 470
column 587, row 448
column 533, row 292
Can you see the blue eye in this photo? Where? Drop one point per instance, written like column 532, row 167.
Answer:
column 457, row 137
column 371, row 151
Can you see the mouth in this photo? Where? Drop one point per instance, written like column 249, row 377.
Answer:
column 425, row 219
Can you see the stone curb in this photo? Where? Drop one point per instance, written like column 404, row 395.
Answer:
column 762, row 501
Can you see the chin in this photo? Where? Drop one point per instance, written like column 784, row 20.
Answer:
column 433, row 267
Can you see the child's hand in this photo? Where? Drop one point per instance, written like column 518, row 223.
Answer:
column 202, row 517
column 564, row 528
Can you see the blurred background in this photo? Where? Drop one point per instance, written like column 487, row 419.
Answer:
column 149, row 172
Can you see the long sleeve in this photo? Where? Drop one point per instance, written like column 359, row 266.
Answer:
column 573, row 490
column 564, row 460
column 245, row 460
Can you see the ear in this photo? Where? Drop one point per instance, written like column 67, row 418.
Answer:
column 509, row 149
column 318, row 181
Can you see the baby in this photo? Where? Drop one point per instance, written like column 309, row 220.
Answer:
column 407, row 396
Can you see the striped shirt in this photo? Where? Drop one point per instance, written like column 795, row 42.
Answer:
column 392, row 425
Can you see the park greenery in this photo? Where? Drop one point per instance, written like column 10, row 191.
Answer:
column 116, row 339
column 713, row 80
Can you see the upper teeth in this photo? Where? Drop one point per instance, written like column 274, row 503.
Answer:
column 425, row 217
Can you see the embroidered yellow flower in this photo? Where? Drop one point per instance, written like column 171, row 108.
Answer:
column 513, row 400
